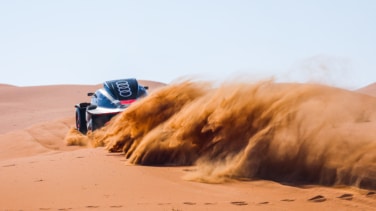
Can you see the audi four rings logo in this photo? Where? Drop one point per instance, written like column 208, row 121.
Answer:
column 124, row 88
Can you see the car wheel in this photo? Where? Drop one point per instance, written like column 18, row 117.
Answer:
column 81, row 120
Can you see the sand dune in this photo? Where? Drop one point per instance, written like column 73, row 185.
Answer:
column 39, row 117
column 369, row 90
column 26, row 106
column 40, row 172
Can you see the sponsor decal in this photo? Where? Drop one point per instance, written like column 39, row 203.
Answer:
column 123, row 88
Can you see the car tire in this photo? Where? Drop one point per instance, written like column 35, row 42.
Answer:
column 81, row 120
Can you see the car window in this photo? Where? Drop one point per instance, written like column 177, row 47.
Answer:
column 102, row 101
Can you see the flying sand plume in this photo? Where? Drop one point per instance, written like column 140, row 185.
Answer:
column 298, row 133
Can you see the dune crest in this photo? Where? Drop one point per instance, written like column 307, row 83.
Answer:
column 369, row 90
column 296, row 133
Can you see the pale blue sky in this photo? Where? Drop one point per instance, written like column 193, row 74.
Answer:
column 89, row 41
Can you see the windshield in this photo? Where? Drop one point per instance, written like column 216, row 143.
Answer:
column 101, row 100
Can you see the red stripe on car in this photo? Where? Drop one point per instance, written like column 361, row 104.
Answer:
column 125, row 102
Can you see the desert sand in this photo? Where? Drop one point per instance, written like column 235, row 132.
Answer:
column 306, row 147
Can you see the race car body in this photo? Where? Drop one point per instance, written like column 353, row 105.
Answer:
column 105, row 103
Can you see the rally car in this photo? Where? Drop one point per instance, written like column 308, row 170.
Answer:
column 105, row 103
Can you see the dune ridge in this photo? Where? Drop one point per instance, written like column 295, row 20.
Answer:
column 369, row 89
column 290, row 133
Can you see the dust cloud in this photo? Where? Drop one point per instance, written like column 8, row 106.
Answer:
column 290, row 133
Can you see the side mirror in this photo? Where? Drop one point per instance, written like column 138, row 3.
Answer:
column 146, row 87
column 90, row 94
